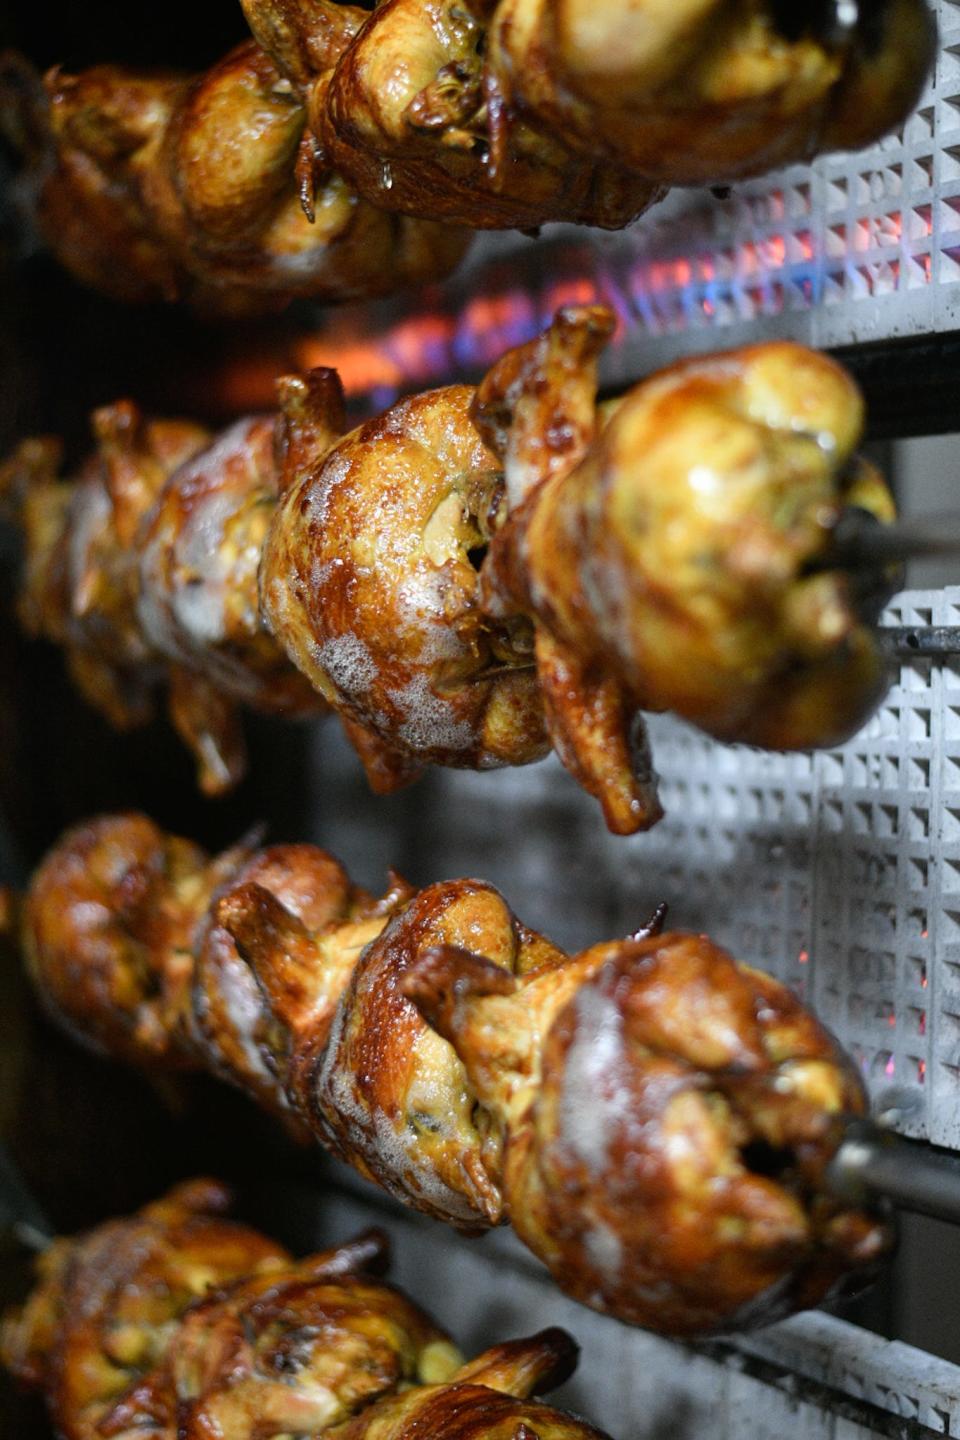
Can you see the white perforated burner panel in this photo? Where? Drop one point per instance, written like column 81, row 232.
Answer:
column 838, row 871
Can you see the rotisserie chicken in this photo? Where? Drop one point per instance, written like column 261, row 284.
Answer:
column 478, row 573
column 176, row 1324
column 511, row 112
column 241, row 188
column 158, row 186
column 653, row 1118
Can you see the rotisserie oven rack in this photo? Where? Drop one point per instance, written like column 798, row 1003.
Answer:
column 839, row 871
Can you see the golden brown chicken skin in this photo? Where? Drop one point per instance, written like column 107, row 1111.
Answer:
column 669, row 551
column 666, row 1140
column 108, row 1303
column 304, row 893
column 410, row 113
column 154, row 186
column 80, row 579
column 653, row 1118
column 295, row 1349
column 674, row 550
column 477, row 574
column 369, row 582
column 701, row 91
column 145, row 1327
column 293, row 166
column 514, row 112
column 486, row 1400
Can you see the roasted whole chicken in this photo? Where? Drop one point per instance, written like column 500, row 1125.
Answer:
column 159, row 186
column 176, row 1324
column 282, row 171
column 653, row 1118
column 512, row 113
column 478, row 573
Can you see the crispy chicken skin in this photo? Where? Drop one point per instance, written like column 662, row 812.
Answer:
column 481, row 1402
column 107, row 1303
column 293, row 167
column 477, row 574
column 666, row 1139
column 673, row 550
column 411, row 113
column 653, row 1118
column 700, row 91
column 369, row 583
column 176, row 1324
column 522, row 111
column 153, row 186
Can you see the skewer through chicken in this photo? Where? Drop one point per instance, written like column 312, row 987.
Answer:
column 241, row 188
column 478, row 573
column 178, row 1324
column 653, row 1118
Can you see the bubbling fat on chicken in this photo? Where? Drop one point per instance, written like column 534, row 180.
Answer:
column 654, row 1118
column 178, row 1324
column 478, row 573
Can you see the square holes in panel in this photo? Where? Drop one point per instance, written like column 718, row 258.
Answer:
column 739, row 821
column 874, row 879
column 854, row 248
column 840, row 873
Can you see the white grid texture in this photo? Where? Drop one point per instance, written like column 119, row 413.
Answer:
column 827, row 870
column 854, row 248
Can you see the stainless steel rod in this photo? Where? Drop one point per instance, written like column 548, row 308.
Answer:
column 908, row 642
column 872, row 1162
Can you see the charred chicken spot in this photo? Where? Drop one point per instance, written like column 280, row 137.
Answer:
column 770, row 1162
